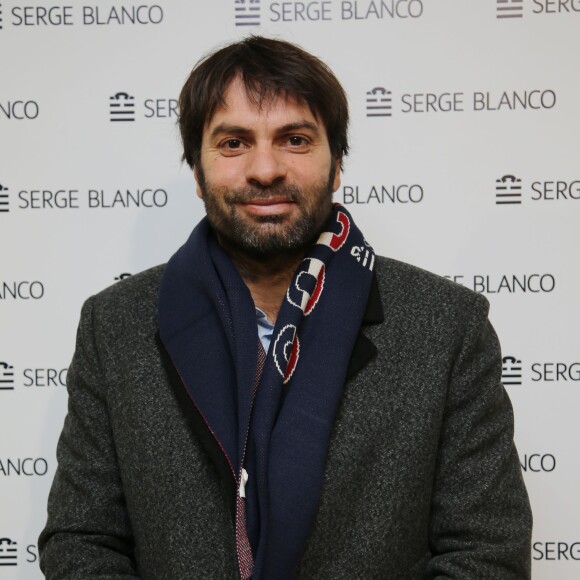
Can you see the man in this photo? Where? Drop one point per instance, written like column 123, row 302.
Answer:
column 277, row 402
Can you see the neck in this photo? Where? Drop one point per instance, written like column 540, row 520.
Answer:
column 266, row 278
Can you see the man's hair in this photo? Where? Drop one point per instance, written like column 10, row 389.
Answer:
column 268, row 69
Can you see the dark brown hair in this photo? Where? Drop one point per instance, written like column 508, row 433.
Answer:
column 268, row 68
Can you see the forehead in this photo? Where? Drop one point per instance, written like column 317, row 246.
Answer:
column 276, row 109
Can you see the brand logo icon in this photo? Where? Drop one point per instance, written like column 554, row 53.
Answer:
column 6, row 377
column 379, row 103
column 511, row 371
column 8, row 552
column 247, row 12
column 335, row 240
column 121, row 107
column 510, row 8
column 4, row 201
column 508, row 190
column 307, row 287
column 286, row 350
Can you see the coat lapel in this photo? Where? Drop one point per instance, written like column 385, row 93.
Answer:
column 364, row 350
column 199, row 428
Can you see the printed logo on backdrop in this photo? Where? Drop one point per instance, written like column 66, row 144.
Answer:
column 538, row 462
column 23, row 467
column 516, row 373
column 379, row 102
column 8, row 552
column 556, row 6
column 511, row 371
column 19, row 110
column 55, row 199
column 412, row 194
column 556, row 551
column 247, row 12
column 515, row 8
column 122, row 108
column 507, row 283
column 31, row 377
column 6, row 376
column 457, row 102
column 9, row 555
column 555, row 372
column 510, row 8
column 22, row 290
column 4, row 200
column 254, row 12
column 57, row 16
column 510, row 190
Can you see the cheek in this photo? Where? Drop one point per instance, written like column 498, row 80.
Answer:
column 225, row 172
column 312, row 173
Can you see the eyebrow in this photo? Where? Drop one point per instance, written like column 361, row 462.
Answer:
column 244, row 131
column 300, row 125
column 226, row 128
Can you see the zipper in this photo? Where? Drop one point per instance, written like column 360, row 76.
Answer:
column 242, row 478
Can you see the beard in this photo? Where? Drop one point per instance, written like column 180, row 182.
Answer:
column 266, row 236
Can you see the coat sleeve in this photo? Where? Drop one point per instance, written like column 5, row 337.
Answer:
column 88, row 534
column 481, row 520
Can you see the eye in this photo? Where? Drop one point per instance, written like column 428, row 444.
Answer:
column 232, row 144
column 230, row 147
column 297, row 141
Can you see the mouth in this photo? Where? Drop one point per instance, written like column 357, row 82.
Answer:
column 265, row 206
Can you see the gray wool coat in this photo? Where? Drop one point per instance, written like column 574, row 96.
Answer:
column 422, row 479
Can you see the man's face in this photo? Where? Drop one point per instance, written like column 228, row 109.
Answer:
column 266, row 174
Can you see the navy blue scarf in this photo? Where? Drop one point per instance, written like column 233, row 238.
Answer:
column 208, row 325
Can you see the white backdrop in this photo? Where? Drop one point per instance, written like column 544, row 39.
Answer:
column 478, row 104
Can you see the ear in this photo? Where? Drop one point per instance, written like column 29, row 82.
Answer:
column 197, row 189
column 336, row 182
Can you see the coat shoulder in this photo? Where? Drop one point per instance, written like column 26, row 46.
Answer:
column 408, row 287
column 129, row 304
column 138, row 287
column 422, row 305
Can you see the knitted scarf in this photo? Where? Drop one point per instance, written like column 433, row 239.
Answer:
column 274, row 423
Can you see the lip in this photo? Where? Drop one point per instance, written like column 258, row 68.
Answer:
column 268, row 205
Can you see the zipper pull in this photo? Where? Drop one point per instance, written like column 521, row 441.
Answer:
column 243, row 482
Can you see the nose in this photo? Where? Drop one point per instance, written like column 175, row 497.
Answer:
column 265, row 166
